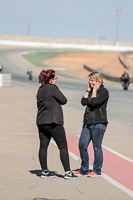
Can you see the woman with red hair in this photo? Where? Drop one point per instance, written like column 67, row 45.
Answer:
column 50, row 122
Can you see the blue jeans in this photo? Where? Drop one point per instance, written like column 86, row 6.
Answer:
column 94, row 132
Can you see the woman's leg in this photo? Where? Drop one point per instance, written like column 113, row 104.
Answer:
column 97, row 133
column 84, row 141
column 44, row 142
column 58, row 134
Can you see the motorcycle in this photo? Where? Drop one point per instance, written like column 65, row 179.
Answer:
column 125, row 84
column 125, row 80
column 29, row 74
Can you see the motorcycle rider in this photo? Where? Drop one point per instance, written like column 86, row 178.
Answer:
column 29, row 73
column 125, row 80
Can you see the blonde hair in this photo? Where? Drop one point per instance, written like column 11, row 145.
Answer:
column 96, row 76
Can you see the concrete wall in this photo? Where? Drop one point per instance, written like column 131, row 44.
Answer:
column 66, row 43
column 61, row 40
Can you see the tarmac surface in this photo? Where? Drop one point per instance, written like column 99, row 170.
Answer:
column 20, row 169
column 19, row 165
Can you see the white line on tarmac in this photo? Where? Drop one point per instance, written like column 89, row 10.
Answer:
column 117, row 153
column 110, row 180
column 118, row 185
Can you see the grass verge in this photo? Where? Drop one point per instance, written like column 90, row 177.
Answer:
column 37, row 58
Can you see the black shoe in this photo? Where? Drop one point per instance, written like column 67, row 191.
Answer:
column 47, row 174
column 70, row 175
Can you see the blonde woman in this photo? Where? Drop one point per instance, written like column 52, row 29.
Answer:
column 94, row 124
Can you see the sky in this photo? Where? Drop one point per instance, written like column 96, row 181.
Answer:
column 90, row 19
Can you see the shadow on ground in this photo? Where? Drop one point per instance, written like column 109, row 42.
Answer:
column 38, row 173
column 47, row 199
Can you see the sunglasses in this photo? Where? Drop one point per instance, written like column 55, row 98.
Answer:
column 55, row 78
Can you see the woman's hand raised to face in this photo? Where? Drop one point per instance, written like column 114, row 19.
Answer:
column 89, row 87
column 97, row 86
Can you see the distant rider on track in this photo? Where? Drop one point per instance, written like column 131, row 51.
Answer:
column 125, row 80
column 29, row 73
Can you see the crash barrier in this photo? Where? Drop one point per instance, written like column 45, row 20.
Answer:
column 123, row 63
column 106, row 76
column 111, row 78
column 5, row 80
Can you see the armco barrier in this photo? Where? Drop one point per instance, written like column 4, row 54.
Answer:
column 123, row 63
column 5, row 80
column 107, row 77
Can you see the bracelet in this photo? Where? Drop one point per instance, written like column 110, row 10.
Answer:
column 87, row 91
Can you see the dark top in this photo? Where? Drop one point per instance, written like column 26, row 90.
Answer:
column 125, row 77
column 49, row 101
column 95, row 112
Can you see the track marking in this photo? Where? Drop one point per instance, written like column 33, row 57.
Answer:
column 74, row 153
column 117, row 153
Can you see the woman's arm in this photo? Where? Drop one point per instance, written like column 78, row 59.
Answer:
column 100, row 98
column 58, row 95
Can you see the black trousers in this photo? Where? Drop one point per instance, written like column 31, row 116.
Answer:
column 46, row 131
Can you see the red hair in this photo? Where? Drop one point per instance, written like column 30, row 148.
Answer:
column 45, row 76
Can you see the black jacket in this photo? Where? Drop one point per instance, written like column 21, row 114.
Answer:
column 49, row 101
column 95, row 112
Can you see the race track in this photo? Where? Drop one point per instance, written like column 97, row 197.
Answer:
column 120, row 107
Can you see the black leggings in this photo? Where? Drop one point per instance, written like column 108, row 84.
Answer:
column 46, row 131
